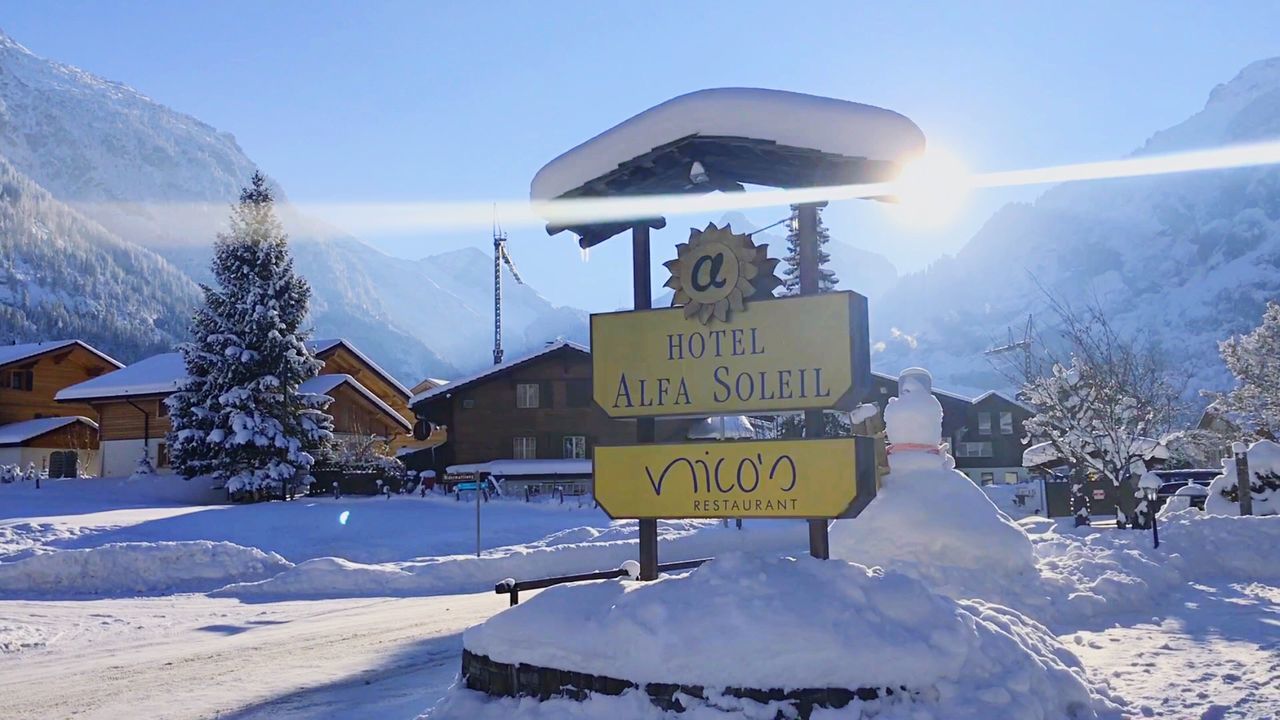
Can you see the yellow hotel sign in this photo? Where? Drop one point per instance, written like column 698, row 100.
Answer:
column 817, row 478
column 793, row 353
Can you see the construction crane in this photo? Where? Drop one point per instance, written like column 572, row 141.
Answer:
column 1012, row 345
column 500, row 256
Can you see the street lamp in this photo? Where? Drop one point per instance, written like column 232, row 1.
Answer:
column 1149, row 492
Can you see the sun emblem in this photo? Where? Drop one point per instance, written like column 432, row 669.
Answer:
column 717, row 272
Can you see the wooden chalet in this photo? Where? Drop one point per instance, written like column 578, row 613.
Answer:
column 36, row 430
column 531, row 419
column 133, row 418
column 986, row 433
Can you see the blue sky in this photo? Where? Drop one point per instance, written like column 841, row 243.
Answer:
column 386, row 101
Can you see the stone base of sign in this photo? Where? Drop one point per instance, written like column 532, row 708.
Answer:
column 500, row 679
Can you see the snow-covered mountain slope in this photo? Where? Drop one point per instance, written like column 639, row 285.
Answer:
column 1186, row 258
column 164, row 180
column 65, row 276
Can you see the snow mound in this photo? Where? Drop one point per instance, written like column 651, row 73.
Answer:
column 929, row 520
column 122, row 569
column 1094, row 575
column 556, row 554
column 747, row 621
column 16, row 638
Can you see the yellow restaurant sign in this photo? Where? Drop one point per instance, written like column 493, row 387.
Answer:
column 817, row 478
column 793, row 353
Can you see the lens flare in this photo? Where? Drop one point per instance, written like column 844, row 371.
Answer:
column 931, row 189
column 342, row 517
column 934, row 184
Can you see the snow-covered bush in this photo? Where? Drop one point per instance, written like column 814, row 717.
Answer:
column 239, row 417
column 1264, row 483
column 144, row 469
column 10, row 474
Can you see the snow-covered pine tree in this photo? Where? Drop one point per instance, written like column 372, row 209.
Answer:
column 791, row 274
column 1254, row 360
column 239, row 417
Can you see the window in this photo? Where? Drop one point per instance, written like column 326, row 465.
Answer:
column 988, row 478
column 578, row 393
column 527, row 395
column 468, row 403
column 524, row 448
column 1010, row 477
column 1006, row 423
column 973, row 449
column 984, row 423
column 162, row 455
column 21, row 380
column 163, row 411
column 575, row 447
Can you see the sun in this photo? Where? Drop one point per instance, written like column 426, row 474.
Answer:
column 717, row 272
column 931, row 189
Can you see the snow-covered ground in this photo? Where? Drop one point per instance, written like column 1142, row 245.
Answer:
column 113, row 603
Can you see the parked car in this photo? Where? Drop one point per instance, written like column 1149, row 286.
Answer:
column 1174, row 480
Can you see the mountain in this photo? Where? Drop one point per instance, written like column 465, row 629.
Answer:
column 160, row 182
column 1185, row 259
column 65, row 276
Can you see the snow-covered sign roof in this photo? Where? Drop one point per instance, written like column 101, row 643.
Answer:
column 325, row 384
column 790, row 119
column 20, row 432
column 10, row 354
column 449, row 388
column 512, row 468
column 157, row 375
column 725, row 139
column 320, row 347
column 728, row 427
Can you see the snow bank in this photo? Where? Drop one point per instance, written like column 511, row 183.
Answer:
column 575, row 550
column 790, row 623
column 1092, row 575
column 1264, row 466
column 137, row 568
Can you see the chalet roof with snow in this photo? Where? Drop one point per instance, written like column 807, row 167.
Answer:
column 321, row 347
column 1004, row 397
column 10, row 354
column 27, row 430
column 325, row 384
column 449, row 388
column 157, row 375
column 725, row 138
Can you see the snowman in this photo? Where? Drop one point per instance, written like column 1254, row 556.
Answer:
column 928, row 519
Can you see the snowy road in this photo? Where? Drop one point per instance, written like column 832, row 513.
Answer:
column 190, row 656
column 1213, row 653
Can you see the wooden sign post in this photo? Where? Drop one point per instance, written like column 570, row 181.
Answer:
column 642, row 290
column 727, row 346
